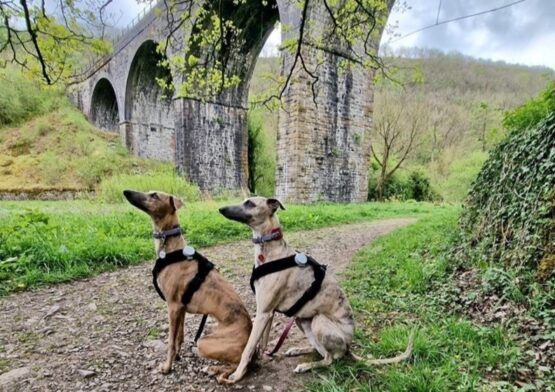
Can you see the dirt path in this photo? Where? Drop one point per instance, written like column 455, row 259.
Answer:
column 107, row 333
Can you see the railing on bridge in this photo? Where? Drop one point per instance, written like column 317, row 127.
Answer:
column 95, row 63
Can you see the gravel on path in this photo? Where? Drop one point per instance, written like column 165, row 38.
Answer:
column 107, row 333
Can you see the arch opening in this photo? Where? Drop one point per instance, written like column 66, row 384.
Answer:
column 104, row 106
column 213, row 138
column 262, row 121
column 150, row 124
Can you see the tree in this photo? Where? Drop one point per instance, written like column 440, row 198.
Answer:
column 220, row 30
column 51, row 40
column 400, row 119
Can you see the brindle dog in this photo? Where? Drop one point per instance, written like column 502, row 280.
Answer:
column 326, row 320
column 215, row 297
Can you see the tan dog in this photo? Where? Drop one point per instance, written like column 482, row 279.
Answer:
column 326, row 320
column 215, row 297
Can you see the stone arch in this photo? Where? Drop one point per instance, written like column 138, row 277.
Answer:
column 212, row 140
column 104, row 111
column 323, row 142
column 149, row 114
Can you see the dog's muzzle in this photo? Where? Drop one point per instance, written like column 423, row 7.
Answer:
column 236, row 213
column 137, row 199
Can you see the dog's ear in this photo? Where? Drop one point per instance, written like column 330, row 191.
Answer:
column 274, row 204
column 176, row 203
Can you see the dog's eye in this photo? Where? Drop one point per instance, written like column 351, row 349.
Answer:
column 154, row 195
column 248, row 204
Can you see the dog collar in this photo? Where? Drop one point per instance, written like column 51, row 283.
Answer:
column 162, row 235
column 274, row 235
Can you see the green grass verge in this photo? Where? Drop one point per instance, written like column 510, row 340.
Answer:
column 395, row 286
column 50, row 242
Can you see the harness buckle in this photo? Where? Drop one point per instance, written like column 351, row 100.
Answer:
column 301, row 259
column 189, row 252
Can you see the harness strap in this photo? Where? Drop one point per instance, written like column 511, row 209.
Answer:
column 201, row 327
column 289, row 262
column 204, row 267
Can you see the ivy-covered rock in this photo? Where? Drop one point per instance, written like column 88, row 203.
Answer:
column 508, row 215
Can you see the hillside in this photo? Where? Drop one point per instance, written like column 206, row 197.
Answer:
column 460, row 102
column 47, row 144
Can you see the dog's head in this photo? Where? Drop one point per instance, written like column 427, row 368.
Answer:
column 255, row 212
column 158, row 205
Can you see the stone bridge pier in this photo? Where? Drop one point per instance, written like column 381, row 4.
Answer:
column 323, row 141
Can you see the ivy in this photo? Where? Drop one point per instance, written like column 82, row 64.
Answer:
column 508, row 215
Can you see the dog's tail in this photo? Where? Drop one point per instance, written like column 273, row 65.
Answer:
column 384, row 361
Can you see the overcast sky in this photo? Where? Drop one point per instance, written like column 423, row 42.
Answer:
column 523, row 33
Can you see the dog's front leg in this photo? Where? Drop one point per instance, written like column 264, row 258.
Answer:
column 174, row 312
column 265, row 336
column 260, row 322
column 180, row 333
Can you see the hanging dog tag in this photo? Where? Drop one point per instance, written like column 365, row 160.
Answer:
column 188, row 251
column 162, row 254
column 301, row 259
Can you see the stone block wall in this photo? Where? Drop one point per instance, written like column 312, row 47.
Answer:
column 212, row 144
column 323, row 142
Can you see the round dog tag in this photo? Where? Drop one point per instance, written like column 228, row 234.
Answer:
column 301, row 259
column 188, row 251
column 162, row 254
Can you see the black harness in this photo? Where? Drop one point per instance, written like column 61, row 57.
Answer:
column 204, row 268
column 289, row 262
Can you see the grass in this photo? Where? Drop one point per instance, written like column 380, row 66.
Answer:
column 50, row 242
column 110, row 189
column 47, row 144
column 395, row 286
column 61, row 150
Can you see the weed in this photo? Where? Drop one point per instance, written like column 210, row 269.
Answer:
column 154, row 333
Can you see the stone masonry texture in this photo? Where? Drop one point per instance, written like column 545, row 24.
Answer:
column 323, row 140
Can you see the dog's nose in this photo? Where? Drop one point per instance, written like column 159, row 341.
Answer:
column 126, row 192
column 222, row 209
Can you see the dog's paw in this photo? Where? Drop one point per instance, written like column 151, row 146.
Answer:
column 165, row 368
column 302, row 368
column 265, row 358
column 232, row 379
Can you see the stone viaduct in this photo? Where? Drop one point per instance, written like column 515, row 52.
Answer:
column 323, row 144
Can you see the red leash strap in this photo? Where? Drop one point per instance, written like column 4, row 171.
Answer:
column 282, row 337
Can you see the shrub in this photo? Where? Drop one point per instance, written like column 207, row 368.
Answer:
column 508, row 215
column 419, row 187
column 532, row 112
column 22, row 99
column 166, row 179
column 400, row 186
